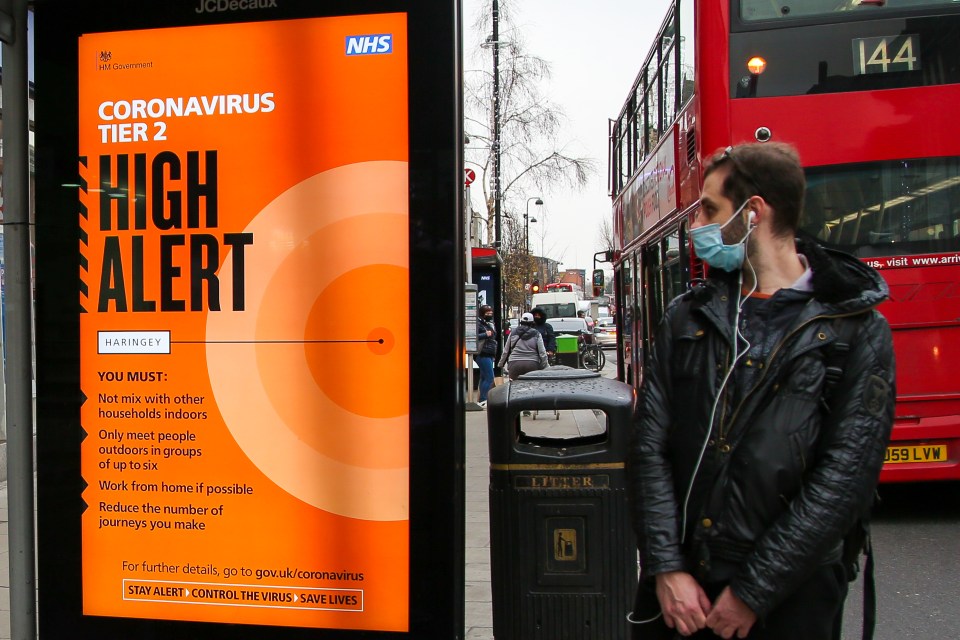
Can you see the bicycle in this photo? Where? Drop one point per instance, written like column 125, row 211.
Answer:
column 591, row 355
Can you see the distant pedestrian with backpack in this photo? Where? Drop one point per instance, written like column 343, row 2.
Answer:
column 486, row 351
column 524, row 350
column 764, row 415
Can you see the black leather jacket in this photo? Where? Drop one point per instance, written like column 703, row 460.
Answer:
column 782, row 477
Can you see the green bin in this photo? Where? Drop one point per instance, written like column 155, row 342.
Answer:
column 568, row 351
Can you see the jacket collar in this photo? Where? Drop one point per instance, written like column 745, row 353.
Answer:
column 840, row 282
column 841, row 285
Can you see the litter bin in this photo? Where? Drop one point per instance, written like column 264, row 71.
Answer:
column 562, row 551
column 568, row 351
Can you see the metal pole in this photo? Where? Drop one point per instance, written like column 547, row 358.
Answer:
column 526, row 239
column 496, row 124
column 528, row 288
column 498, row 233
column 16, row 183
column 526, row 235
column 468, row 226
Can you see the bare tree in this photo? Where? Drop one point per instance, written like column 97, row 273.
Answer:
column 532, row 161
column 517, row 264
column 605, row 235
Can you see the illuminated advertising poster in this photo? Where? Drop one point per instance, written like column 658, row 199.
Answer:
column 244, row 339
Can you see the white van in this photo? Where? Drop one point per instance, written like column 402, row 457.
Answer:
column 559, row 304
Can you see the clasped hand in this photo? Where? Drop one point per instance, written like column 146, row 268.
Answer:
column 687, row 608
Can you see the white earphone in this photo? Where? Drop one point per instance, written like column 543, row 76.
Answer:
column 752, row 218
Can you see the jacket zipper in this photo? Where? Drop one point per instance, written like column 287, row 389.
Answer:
column 724, row 406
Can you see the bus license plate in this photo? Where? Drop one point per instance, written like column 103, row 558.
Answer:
column 916, row 453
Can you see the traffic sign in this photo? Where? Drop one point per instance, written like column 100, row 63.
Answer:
column 469, row 176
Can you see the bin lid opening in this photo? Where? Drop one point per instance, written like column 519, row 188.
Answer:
column 559, row 372
column 562, row 429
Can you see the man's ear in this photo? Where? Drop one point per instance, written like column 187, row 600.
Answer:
column 758, row 210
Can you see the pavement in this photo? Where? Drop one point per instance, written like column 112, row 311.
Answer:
column 478, row 610
column 4, row 566
column 478, row 618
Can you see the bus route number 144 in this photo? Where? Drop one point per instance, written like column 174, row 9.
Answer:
column 873, row 55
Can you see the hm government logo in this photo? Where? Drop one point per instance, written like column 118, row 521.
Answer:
column 105, row 62
column 218, row 6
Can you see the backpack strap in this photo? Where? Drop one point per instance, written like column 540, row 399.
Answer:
column 869, row 590
column 837, row 354
column 857, row 542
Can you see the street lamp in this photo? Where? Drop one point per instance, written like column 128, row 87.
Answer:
column 526, row 232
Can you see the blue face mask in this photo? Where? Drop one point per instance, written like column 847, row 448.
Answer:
column 708, row 243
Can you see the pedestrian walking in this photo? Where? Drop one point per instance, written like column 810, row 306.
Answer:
column 524, row 351
column 765, row 411
column 486, row 351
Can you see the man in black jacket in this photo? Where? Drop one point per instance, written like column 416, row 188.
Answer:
column 546, row 330
column 757, row 447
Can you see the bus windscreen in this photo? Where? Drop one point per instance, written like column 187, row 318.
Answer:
column 889, row 208
column 559, row 310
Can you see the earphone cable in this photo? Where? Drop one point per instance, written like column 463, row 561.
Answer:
column 736, row 355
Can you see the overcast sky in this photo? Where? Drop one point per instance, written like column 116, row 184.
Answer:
column 595, row 51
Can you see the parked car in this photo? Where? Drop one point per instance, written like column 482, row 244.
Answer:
column 572, row 327
column 569, row 326
column 605, row 332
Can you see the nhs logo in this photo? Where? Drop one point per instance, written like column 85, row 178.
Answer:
column 366, row 45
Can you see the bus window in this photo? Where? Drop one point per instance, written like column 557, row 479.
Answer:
column 898, row 207
column 626, row 279
column 668, row 73
column 854, row 52
column 630, row 339
column 672, row 267
column 626, row 165
column 686, row 51
column 653, row 120
column 651, row 285
column 636, row 124
column 664, row 275
column 751, row 10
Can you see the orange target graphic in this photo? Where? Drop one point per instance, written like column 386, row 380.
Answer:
column 312, row 378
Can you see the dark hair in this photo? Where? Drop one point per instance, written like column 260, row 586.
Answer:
column 484, row 308
column 770, row 170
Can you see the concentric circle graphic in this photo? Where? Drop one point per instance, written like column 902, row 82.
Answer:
column 312, row 378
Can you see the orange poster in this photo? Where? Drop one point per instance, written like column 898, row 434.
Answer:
column 244, row 336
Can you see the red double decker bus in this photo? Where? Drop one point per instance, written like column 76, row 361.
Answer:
column 565, row 286
column 865, row 90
